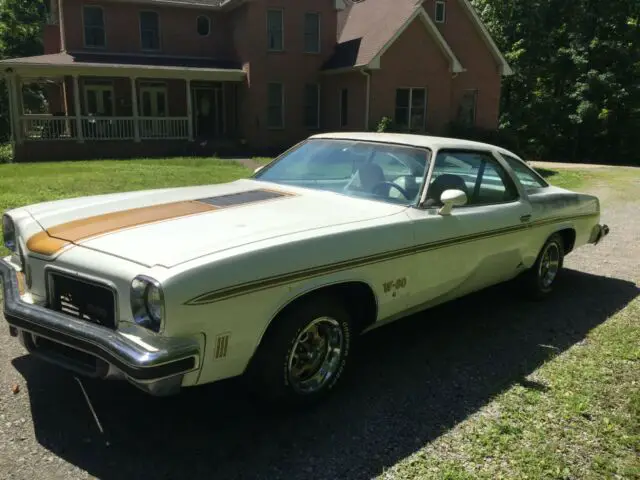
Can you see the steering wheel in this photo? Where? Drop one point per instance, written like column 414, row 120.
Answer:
column 391, row 184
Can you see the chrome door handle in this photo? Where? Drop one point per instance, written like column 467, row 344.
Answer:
column 525, row 218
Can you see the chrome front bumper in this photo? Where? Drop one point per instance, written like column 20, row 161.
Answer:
column 598, row 233
column 158, row 367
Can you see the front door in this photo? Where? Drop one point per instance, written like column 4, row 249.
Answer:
column 208, row 107
column 477, row 245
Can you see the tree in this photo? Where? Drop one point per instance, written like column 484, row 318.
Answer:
column 575, row 94
column 21, row 23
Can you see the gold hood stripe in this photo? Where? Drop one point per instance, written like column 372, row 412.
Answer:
column 56, row 238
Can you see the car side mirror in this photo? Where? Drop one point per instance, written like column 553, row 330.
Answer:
column 258, row 169
column 450, row 199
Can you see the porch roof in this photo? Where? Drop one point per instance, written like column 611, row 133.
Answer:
column 82, row 63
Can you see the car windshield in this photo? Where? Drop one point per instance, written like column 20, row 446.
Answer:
column 378, row 171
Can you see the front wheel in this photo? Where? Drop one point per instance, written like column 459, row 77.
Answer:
column 304, row 352
column 541, row 278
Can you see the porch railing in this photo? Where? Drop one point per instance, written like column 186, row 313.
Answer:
column 49, row 127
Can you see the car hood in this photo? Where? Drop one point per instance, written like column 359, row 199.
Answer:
column 171, row 226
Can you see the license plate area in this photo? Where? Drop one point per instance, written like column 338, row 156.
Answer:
column 83, row 299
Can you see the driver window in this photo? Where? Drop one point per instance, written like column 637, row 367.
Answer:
column 477, row 174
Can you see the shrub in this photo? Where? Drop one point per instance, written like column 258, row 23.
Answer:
column 384, row 125
column 6, row 153
column 497, row 137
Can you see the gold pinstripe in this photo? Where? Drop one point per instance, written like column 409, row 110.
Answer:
column 278, row 280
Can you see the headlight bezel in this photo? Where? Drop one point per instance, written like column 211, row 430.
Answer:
column 149, row 316
column 9, row 234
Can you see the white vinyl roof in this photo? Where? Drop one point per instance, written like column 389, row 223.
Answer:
column 423, row 141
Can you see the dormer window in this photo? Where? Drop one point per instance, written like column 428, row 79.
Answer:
column 203, row 25
column 440, row 13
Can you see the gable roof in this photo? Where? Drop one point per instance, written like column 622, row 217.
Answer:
column 368, row 28
column 213, row 4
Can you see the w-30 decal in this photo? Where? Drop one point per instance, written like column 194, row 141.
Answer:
column 394, row 287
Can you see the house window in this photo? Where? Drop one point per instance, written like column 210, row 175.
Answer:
column 344, row 107
column 275, row 113
column 99, row 98
column 312, row 32
column 153, row 100
column 440, row 12
column 312, row 106
column 411, row 109
column 275, row 32
column 150, row 30
column 467, row 108
column 94, row 35
column 203, row 25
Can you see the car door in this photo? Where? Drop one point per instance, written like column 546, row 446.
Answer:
column 476, row 245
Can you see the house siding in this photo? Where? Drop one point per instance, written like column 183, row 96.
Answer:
column 291, row 67
column 355, row 83
column 482, row 69
column 413, row 60
column 178, row 34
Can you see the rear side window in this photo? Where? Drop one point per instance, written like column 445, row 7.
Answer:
column 529, row 179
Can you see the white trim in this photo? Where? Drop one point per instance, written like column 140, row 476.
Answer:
column 367, row 99
column 304, row 33
column 99, row 88
column 84, row 27
column 100, row 70
column 189, row 109
column 134, row 108
column 281, row 10
column 159, row 49
column 505, row 69
column 410, row 107
column 146, row 87
column 77, row 110
column 456, row 66
column 443, row 4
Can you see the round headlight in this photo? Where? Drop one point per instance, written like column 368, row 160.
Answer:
column 153, row 302
column 147, row 303
column 9, row 233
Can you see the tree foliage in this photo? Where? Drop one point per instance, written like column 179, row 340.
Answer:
column 575, row 94
column 21, row 24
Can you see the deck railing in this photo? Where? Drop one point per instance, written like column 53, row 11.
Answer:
column 50, row 127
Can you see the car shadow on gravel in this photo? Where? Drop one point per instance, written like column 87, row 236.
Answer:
column 410, row 382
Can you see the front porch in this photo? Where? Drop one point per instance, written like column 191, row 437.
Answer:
column 120, row 104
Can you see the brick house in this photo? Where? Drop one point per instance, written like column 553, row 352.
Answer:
column 171, row 77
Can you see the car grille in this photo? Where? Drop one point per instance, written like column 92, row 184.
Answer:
column 88, row 301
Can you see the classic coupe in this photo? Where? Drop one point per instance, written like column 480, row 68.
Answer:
column 274, row 277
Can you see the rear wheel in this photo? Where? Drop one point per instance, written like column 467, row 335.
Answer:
column 541, row 278
column 303, row 353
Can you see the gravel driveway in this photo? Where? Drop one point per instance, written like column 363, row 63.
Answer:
column 410, row 383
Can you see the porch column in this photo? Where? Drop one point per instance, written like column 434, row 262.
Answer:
column 76, row 109
column 189, row 110
column 14, row 117
column 134, row 106
column 15, row 105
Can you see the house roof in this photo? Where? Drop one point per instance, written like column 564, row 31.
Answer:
column 107, row 63
column 218, row 4
column 117, row 60
column 367, row 28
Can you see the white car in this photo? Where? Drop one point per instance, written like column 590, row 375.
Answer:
column 274, row 277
